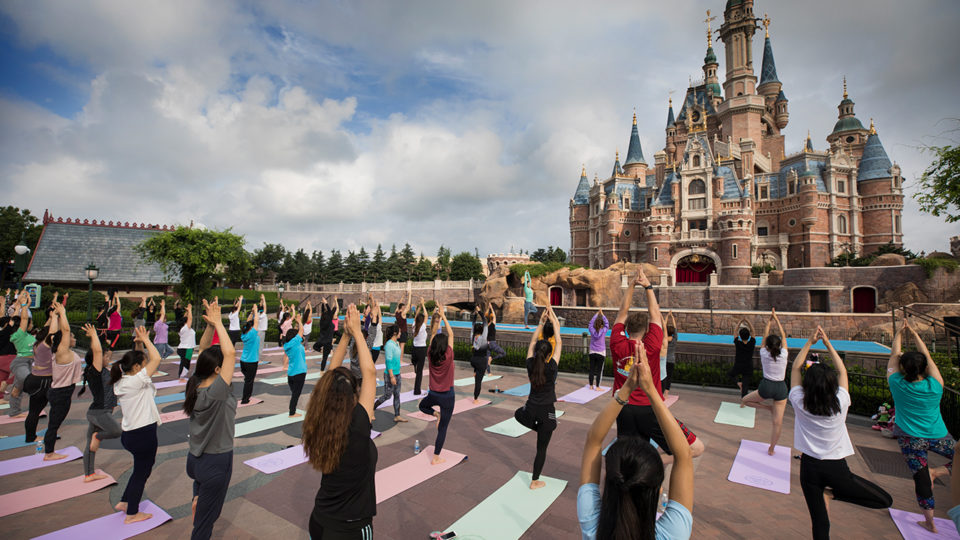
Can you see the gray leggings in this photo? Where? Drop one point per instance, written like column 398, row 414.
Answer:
column 19, row 368
column 103, row 424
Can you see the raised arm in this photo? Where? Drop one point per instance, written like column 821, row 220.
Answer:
column 63, row 354
column 368, row 386
column 766, row 328
column 893, row 364
column 556, row 334
column 842, row 378
column 653, row 307
column 932, row 369
column 163, row 311
column 153, row 357
column 783, row 335
column 189, row 321
column 795, row 378
column 446, row 325
column 536, row 334
column 406, row 305
column 625, row 303
column 214, row 319
column 95, row 348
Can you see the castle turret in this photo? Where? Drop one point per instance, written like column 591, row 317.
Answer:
column 710, row 66
column 770, row 85
column 881, row 196
column 579, row 222
column 736, row 32
column 848, row 131
column 617, row 169
column 635, row 166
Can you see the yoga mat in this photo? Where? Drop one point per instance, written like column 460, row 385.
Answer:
column 732, row 414
column 466, row 381
column 460, row 406
column 35, row 461
column 35, row 497
column 112, row 526
column 169, row 384
column 174, row 416
column 267, row 422
column 16, row 441
column 509, row 511
column 753, row 467
column 384, row 365
column 286, row 458
column 584, row 394
column 402, row 476
column 511, row 428
column 169, row 398
column 906, row 523
column 5, row 406
column 522, row 390
column 159, row 373
column 404, row 397
column 413, row 375
column 14, row 419
column 239, row 374
column 283, row 379
column 671, row 399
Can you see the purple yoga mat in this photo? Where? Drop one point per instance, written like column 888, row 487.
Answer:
column 585, row 394
column 35, row 461
column 286, row 458
column 168, row 384
column 112, row 526
column 753, row 467
column 404, row 397
column 906, row 523
column 14, row 419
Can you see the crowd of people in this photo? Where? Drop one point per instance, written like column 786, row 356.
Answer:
column 622, row 503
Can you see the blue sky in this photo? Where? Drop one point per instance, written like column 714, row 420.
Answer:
column 339, row 124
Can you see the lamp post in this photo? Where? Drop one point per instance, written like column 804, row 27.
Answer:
column 92, row 273
column 21, row 260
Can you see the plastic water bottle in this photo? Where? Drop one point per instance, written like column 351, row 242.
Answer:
column 416, row 447
column 664, row 499
column 39, row 449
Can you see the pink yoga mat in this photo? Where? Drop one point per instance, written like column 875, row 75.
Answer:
column 35, row 461
column 236, row 375
column 906, row 523
column 402, row 476
column 753, row 467
column 404, row 397
column 286, row 458
column 671, row 399
column 112, row 526
column 585, row 394
column 38, row 496
column 13, row 419
column 174, row 416
column 460, row 406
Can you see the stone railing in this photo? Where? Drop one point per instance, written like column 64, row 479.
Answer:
column 386, row 286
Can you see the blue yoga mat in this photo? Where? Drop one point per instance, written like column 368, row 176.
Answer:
column 16, row 441
column 170, row 398
column 522, row 390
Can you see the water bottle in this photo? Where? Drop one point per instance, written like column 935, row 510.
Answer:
column 416, row 447
column 664, row 499
column 39, row 449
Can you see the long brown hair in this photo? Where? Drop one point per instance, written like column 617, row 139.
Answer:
column 327, row 423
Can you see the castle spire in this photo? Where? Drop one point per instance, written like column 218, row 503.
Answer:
column 808, row 147
column 844, row 87
column 709, row 32
column 670, row 119
column 582, row 195
column 617, row 169
column 634, row 150
column 873, row 130
column 768, row 69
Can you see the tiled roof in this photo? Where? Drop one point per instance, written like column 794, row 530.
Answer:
column 65, row 250
column 874, row 163
column 731, row 187
column 670, row 119
column 768, row 70
column 696, row 97
column 665, row 198
column 634, row 151
column 582, row 195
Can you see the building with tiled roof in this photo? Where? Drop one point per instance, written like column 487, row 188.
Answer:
column 67, row 246
column 722, row 195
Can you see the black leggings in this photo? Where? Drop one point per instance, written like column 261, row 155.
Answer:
column 745, row 373
column 184, row 361
column 543, row 420
column 817, row 474
column 296, row 386
column 142, row 443
column 417, row 357
column 446, row 402
column 325, row 347
column 60, row 399
column 596, row 367
column 665, row 382
column 330, row 529
column 479, row 364
column 37, row 387
column 249, row 370
column 211, row 476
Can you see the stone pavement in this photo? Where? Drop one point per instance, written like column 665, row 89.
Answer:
column 722, row 509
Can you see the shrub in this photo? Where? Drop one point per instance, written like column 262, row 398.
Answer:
column 930, row 265
column 539, row 269
column 758, row 269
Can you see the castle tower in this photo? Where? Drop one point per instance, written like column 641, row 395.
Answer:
column 617, row 169
column 881, row 195
column 710, row 66
column 635, row 166
column 848, row 131
column 671, row 129
column 811, row 251
column 580, row 221
column 741, row 113
column 770, row 86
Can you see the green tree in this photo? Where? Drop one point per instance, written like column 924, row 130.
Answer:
column 319, row 266
column 198, row 257
column 300, row 267
column 363, row 264
column 378, row 266
column 335, row 269
column 442, row 266
column 15, row 222
column 394, row 271
column 407, row 261
column 465, row 266
column 268, row 259
column 939, row 190
column 423, row 271
column 351, row 269
column 551, row 254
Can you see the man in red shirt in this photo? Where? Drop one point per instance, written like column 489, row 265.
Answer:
column 637, row 418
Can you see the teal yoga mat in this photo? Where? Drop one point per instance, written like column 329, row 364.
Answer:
column 522, row 390
column 511, row 428
column 16, row 441
column 267, row 422
column 169, row 398
column 509, row 511
column 732, row 414
column 466, row 381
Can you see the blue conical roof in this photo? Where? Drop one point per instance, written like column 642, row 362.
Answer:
column 809, row 145
column 617, row 170
column 582, row 195
column 670, row 119
column 768, row 71
column 874, row 163
column 634, row 151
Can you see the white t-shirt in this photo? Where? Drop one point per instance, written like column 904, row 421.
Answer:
column 774, row 371
column 420, row 340
column 263, row 322
column 307, row 327
column 821, row 437
column 378, row 339
column 135, row 395
column 234, row 319
column 188, row 338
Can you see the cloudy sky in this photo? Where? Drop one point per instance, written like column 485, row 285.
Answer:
column 338, row 124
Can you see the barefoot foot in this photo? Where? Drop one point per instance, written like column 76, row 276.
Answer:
column 53, row 456
column 537, row 484
column 94, row 443
column 139, row 516
column 121, row 507
column 399, row 419
column 94, row 478
column 771, row 450
column 295, row 415
column 437, row 460
column 930, row 526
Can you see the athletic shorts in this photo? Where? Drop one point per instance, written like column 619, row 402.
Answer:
column 641, row 421
column 775, row 390
column 403, row 338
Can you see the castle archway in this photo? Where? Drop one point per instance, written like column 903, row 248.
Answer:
column 695, row 265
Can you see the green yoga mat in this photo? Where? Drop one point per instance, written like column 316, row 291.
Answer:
column 511, row 428
column 732, row 414
column 509, row 511
column 267, row 422
column 283, row 378
column 466, row 381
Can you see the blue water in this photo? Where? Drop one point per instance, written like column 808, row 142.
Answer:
column 685, row 337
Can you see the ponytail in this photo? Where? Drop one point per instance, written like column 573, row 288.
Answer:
column 191, row 393
column 541, row 353
column 773, row 345
column 438, row 349
column 207, row 364
column 125, row 365
column 88, row 358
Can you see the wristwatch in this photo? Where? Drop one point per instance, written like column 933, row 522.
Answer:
column 648, row 287
column 620, row 401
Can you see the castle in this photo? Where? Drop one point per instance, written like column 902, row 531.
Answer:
column 722, row 196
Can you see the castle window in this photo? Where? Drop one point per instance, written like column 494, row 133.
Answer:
column 697, row 187
column 762, row 231
column 851, row 138
column 656, row 253
column 896, row 224
column 792, row 222
column 698, row 204
column 841, row 186
column 734, row 251
column 626, row 233
column 626, row 203
column 791, row 187
column 598, row 238
column 730, row 224
column 842, row 225
column 764, row 192
column 696, row 161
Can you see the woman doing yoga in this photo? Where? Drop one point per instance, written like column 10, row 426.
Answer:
column 773, row 358
column 188, row 342
column 295, row 362
column 101, row 425
column 441, row 381
column 67, row 372
column 419, row 353
column 599, row 325
column 250, row 357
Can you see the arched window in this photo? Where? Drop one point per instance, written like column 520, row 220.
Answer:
column 696, row 161
column 598, row 238
column 697, row 187
column 842, row 225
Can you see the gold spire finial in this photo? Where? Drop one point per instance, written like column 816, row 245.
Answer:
column 618, row 154
column 634, row 116
column 766, row 25
column 873, row 130
column 844, row 87
column 808, row 134
column 709, row 33
column 583, row 169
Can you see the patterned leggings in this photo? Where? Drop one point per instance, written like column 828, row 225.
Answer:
column 915, row 450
